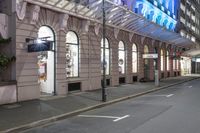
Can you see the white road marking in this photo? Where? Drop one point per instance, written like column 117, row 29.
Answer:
column 161, row 95
column 121, row 118
column 109, row 117
column 169, row 95
column 189, row 86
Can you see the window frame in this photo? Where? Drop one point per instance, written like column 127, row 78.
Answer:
column 106, row 48
column 78, row 46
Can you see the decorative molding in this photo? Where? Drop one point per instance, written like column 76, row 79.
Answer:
column 21, row 9
column 4, row 25
column 142, row 39
column 63, row 21
column 97, row 28
column 35, row 10
column 116, row 32
column 131, row 36
column 153, row 43
column 85, row 26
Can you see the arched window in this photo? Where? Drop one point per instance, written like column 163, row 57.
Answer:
column 72, row 54
column 146, row 49
column 46, row 61
column 167, row 60
column 121, row 58
column 107, row 56
column 134, row 58
column 161, row 60
column 174, row 61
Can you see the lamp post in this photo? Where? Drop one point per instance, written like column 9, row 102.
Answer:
column 104, row 64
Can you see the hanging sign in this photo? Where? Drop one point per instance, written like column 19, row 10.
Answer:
column 39, row 47
column 150, row 56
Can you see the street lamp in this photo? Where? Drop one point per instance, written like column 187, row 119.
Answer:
column 104, row 62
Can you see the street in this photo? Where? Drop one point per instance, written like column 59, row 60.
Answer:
column 172, row 110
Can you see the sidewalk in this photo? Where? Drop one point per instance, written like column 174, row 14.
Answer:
column 54, row 108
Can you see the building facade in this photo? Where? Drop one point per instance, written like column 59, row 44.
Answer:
column 74, row 62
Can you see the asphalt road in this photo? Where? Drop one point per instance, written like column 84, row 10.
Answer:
column 173, row 110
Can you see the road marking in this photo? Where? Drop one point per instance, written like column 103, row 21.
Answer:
column 189, row 86
column 109, row 117
column 169, row 95
column 126, row 116
column 162, row 95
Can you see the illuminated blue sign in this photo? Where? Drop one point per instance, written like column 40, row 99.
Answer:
column 162, row 12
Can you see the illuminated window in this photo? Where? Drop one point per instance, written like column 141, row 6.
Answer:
column 162, row 60
column 134, row 58
column 72, row 54
column 167, row 60
column 121, row 58
column 174, row 61
column 107, row 56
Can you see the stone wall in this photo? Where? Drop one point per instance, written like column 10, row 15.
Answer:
column 90, row 54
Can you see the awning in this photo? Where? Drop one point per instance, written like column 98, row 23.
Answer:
column 116, row 16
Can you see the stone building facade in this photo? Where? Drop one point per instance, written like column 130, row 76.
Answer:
column 89, row 37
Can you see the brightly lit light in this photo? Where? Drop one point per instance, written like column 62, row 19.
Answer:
column 159, row 11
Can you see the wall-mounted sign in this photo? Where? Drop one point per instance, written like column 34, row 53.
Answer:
column 42, row 46
column 150, row 56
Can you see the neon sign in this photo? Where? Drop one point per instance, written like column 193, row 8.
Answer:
column 162, row 12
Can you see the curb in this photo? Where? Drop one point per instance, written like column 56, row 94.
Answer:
column 73, row 113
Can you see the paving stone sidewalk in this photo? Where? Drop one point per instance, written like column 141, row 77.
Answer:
column 32, row 111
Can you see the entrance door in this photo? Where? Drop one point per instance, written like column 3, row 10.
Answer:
column 46, row 63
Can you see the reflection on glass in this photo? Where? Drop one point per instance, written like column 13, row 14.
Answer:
column 167, row 60
column 107, row 57
column 162, row 60
column 134, row 58
column 72, row 55
column 121, row 58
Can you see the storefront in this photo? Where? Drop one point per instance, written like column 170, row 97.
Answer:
column 186, row 64
column 75, row 61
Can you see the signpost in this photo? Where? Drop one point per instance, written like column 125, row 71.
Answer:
column 150, row 56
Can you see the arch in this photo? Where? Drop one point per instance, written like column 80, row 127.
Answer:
column 107, row 56
column 146, row 49
column 46, row 62
column 167, row 55
column 107, row 45
column 174, row 60
column 161, row 60
column 72, row 37
column 72, row 54
column 134, row 58
column 121, row 45
column 121, row 57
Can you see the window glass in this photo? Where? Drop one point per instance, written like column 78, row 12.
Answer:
column 121, row 58
column 162, row 60
column 134, row 58
column 167, row 60
column 107, row 56
column 72, row 55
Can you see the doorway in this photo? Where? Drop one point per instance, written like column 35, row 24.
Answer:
column 46, row 63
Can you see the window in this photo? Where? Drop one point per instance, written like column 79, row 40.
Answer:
column 146, row 51
column 121, row 58
column 107, row 56
column 167, row 60
column 174, row 61
column 161, row 60
column 134, row 58
column 72, row 55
